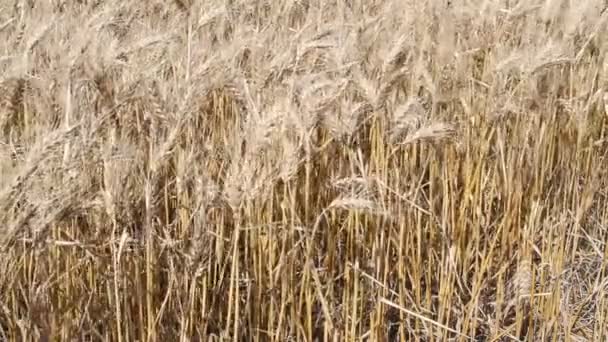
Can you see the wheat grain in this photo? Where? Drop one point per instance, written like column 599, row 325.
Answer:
column 380, row 170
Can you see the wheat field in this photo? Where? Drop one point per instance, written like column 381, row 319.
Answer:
column 306, row 170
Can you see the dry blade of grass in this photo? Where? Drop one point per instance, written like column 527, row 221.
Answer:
column 422, row 318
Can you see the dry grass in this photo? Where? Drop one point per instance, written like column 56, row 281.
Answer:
column 304, row 170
